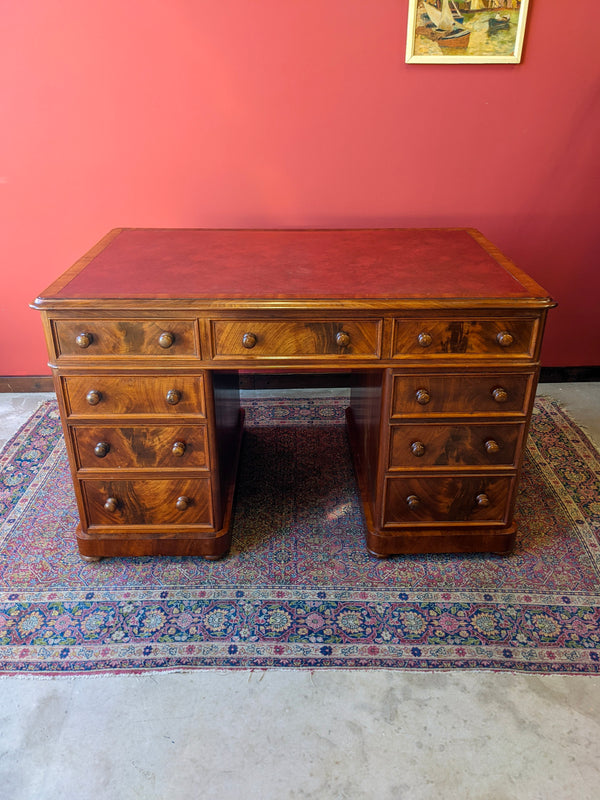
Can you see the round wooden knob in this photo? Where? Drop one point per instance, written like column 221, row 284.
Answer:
column 424, row 339
column 166, row 339
column 504, row 339
column 84, row 340
column 482, row 500
column 173, row 397
column 413, row 502
column 111, row 504
column 102, row 449
column 491, row 446
column 342, row 339
column 249, row 340
column 93, row 397
column 178, row 448
column 499, row 394
column 417, row 449
column 422, row 396
column 182, row 503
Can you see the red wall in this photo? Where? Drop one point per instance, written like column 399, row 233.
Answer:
column 291, row 114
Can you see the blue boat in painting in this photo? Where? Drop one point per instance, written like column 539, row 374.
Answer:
column 498, row 23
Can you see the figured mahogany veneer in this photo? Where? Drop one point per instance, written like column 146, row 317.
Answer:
column 430, row 395
column 148, row 502
column 126, row 337
column 141, row 447
column 148, row 332
column 448, row 500
column 433, row 445
column 108, row 395
column 457, row 337
column 258, row 338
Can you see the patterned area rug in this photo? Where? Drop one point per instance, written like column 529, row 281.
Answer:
column 298, row 588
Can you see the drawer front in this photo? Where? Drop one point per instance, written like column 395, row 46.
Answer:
column 148, row 502
column 237, row 339
column 98, row 338
column 448, row 499
column 168, row 447
column 435, row 445
column 511, row 337
column 460, row 395
column 104, row 395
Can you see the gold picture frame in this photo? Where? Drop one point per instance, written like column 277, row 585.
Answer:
column 465, row 31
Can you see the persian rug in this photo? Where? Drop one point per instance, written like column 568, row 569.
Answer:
column 298, row 588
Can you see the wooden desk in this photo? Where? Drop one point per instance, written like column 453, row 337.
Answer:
column 147, row 334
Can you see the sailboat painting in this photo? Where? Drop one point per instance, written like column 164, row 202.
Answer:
column 465, row 31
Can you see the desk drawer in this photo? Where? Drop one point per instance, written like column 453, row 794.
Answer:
column 292, row 339
column 167, row 447
column 511, row 337
column 148, row 502
column 98, row 338
column 497, row 394
column 484, row 444
column 104, row 395
column 448, row 499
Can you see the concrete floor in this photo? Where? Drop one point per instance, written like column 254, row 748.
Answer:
column 285, row 734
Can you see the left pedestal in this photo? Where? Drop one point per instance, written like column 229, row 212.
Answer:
column 154, row 460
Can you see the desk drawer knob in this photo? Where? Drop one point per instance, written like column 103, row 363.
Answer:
column 413, row 502
column 84, row 340
column 504, row 339
column 499, row 394
column 342, row 339
column 93, row 397
column 182, row 503
column 166, row 339
column 178, row 448
column 424, row 339
column 111, row 504
column 102, row 449
column 173, row 397
column 422, row 396
column 249, row 340
column 417, row 449
column 482, row 500
column 491, row 446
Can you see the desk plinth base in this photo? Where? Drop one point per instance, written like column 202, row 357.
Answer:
column 435, row 540
column 94, row 546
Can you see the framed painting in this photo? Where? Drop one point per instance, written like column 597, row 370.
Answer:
column 465, row 31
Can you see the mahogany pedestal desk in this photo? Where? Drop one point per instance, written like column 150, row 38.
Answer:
column 439, row 332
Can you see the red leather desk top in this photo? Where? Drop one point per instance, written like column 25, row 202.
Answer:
column 267, row 265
